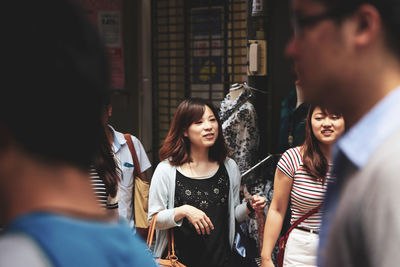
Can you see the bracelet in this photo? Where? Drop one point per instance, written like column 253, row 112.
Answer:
column 248, row 205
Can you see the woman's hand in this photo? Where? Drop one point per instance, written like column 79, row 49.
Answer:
column 198, row 218
column 258, row 203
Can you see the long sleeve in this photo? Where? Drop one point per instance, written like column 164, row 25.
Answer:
column 161, row 196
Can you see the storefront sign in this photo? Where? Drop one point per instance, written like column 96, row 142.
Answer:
column 107, row 16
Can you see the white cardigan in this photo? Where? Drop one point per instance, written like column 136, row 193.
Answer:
column 162, row 195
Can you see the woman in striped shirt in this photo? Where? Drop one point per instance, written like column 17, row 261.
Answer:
column 105, row 179
column 302, row 174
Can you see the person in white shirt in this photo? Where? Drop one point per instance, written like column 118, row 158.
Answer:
column 125, row 163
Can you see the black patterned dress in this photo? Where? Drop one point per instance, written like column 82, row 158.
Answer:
column 240, row 130
column 211, row 196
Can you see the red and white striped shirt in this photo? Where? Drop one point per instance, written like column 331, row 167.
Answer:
column 307, row 193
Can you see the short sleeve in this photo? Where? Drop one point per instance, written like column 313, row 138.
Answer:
column 141, row 154
column 290, row 162
column 12, row 246
column 112, row 202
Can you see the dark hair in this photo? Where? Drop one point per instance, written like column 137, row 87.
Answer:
column 314, row 161
column 55, row 73
column 389, row 12
column 106, row 167
column 176, row 146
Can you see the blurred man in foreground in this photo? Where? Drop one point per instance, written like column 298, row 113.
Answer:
column 348, row 56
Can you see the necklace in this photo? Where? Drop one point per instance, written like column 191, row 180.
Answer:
column 192, row 174
column 191, row 170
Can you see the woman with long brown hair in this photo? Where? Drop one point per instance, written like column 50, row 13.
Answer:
column 104, row 175
column 195, row 189
column 302, row 175
column 104, row 170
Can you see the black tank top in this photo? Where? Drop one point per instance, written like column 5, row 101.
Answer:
column 211, row 196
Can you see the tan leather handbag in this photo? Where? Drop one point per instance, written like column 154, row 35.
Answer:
column 140, row 193
column 171, row 259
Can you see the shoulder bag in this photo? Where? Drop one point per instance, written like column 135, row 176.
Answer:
column 140, row 193
column 283, row 239
column 171, row 259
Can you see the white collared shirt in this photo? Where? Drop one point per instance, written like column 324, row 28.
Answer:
column 364, row 138
column 125, row 163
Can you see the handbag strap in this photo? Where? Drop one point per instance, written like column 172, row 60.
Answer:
column 311, row 212
column 129, row 142
column 136, row 170
column 152, row 228
column 171, row 240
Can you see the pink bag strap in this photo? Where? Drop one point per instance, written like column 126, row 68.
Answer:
column 311, row 212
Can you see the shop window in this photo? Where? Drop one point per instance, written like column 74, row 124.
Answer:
column 198, row 50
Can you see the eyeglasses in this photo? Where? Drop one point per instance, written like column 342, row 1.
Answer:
column 301, row 22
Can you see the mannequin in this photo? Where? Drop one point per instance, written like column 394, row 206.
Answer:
column 235, row 90
column 240, row 129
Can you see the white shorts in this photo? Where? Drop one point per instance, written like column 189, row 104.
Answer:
column 301, row 249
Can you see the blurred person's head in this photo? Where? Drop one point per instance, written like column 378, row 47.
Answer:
column 323, row 129
column 341, row 46
column 188, row 128
column 54, row 77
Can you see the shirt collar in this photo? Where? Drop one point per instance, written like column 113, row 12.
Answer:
column 362, row 139
column 119, row 139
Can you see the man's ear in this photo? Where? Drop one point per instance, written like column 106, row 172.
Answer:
column 368, row 25
column 109, row 110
